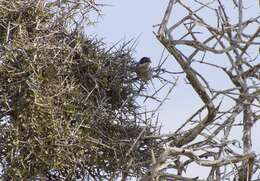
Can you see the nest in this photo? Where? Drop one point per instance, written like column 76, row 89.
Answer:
column 67, row 103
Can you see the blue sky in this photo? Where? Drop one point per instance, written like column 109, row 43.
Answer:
column 131, row 19
column 127, row 19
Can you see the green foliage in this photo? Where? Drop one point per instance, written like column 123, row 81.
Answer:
column 67, row 103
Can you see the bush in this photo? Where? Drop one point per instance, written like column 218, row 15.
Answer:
column 67, row 103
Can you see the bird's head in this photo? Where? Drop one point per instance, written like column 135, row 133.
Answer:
column 145, row 60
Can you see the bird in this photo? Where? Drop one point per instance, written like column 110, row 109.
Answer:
column 144, row 70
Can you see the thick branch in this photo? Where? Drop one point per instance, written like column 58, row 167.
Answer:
column 198, row 87
column 166, row 17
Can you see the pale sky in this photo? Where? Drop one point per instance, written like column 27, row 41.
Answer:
column 127, row 19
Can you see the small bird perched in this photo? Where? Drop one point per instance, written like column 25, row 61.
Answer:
column 143, row 69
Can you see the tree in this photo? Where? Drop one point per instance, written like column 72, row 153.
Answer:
column 68, row 102
column 206, row 138
column 68, row 105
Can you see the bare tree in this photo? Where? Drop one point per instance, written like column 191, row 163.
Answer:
column 207, row 137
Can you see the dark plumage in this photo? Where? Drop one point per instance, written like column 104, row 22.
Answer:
column 145, row 60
